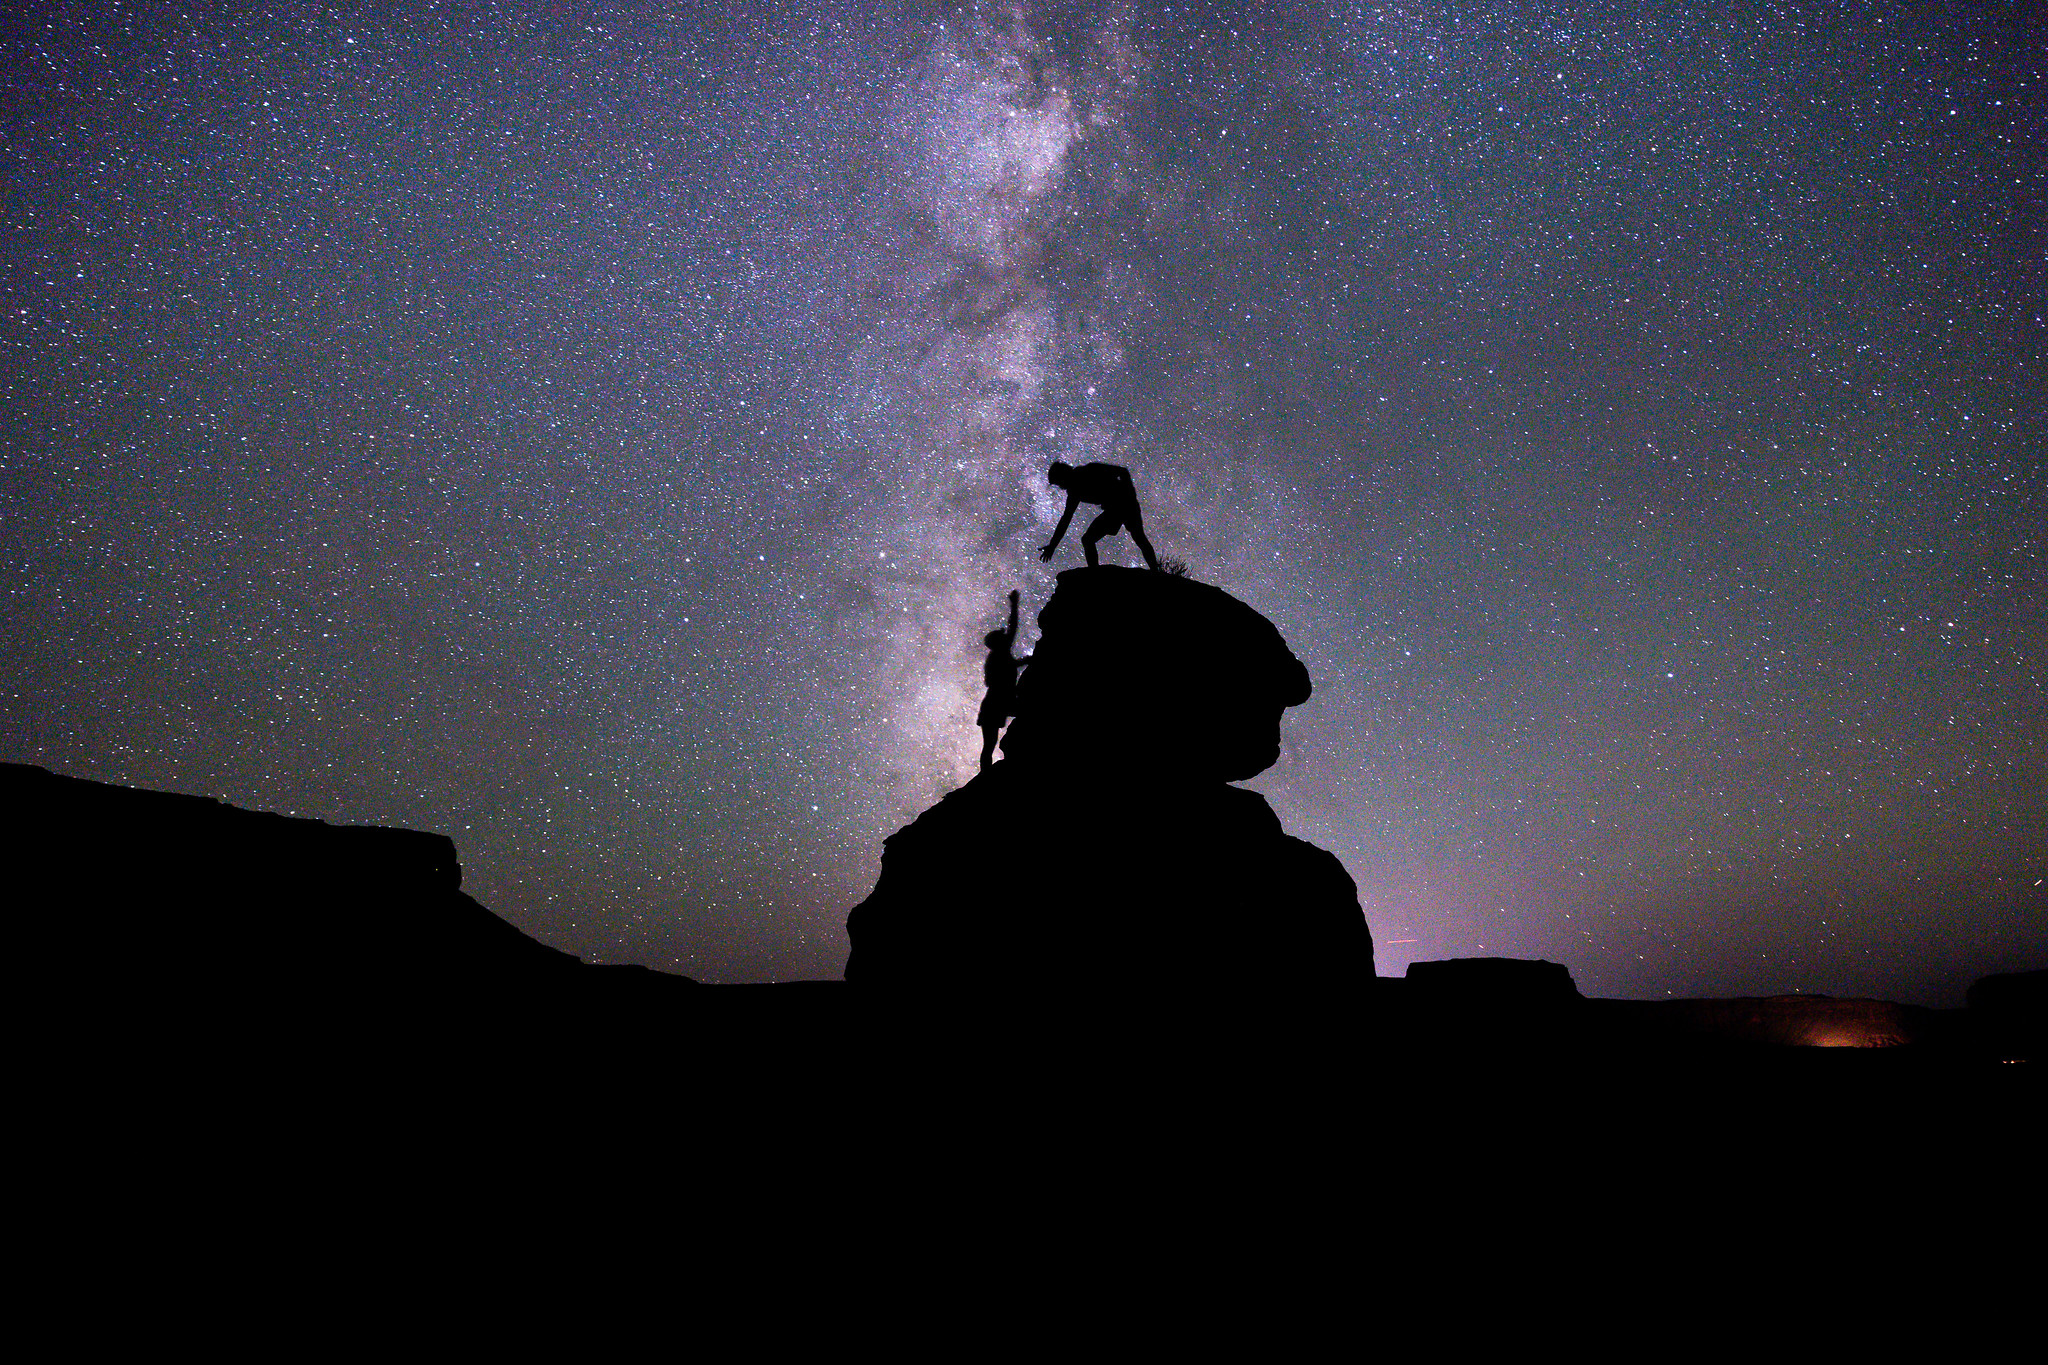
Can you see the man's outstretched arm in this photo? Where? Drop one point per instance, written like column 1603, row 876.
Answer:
column 1059, row 530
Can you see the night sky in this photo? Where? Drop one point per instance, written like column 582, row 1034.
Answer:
column 603, row 434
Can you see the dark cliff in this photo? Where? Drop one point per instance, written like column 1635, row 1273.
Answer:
column 159, row 922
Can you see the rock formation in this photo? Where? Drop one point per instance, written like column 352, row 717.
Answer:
column 1107, row 853
column 1139, row 675
column 2014, row 1009
column 1498, row 983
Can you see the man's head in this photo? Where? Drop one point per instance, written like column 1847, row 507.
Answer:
column 1058, row 474
column 997, row 639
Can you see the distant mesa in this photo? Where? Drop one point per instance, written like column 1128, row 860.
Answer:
column 161, row 919
column 1498, row 982
column 1793, row 1021
column 1107, row 853
column 190, row 894
column 1510, row 1005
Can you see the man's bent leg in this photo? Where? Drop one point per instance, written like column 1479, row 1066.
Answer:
column 1108, row 524
column 1144, row 545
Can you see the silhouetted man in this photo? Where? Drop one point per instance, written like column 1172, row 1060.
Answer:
column 999, row 671
column 1108, row 486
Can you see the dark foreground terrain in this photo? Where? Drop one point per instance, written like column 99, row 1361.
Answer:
column 277, row 1075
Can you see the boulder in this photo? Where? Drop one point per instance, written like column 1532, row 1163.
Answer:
column 1141, row 675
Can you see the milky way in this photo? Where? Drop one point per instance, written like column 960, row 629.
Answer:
column 604, row 436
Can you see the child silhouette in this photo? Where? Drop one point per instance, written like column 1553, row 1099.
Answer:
column 999, row 671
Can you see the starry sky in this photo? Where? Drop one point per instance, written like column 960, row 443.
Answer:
column 602, row 433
